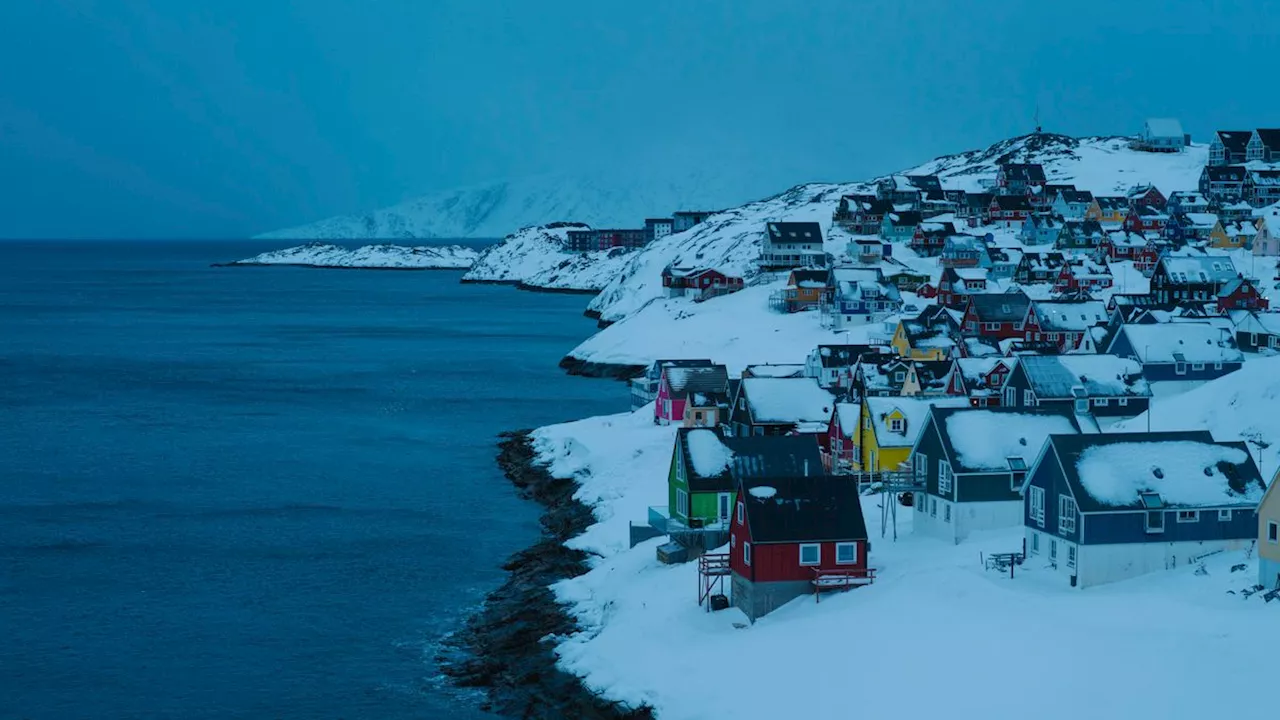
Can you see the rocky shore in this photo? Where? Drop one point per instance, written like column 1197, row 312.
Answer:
column 504, row 648
column 586, row 368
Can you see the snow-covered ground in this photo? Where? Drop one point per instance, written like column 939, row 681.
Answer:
column 494, row 209
column 325, row 255
column 536, row 256
column 935, row 636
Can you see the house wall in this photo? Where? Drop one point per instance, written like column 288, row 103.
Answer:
column 705, row 505
column 971, row 517
column 1107, row 528
column 1156, row 372
column 1100, row 564
column 934, row 517
column 756, row 599
column 1269, row 573
column 676, row 481
column 1268, row 511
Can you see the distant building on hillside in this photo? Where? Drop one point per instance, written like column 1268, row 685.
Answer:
column 684, row 219
column 655, row 228
column 1162, row 135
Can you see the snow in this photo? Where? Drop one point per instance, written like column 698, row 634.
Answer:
column 1197, row 342
column 710, row 457
column 644, row 639
column 606, row 198
column 1106, row 374
column 764, row 492
column 1239, row 406
column 787, row 400
column 984, row 440
column 536, row 256
column 1114, row 474
column 914, row 410
column 326, row 255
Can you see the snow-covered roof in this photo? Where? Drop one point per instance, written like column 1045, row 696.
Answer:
column 1058, row 316
column 1194, row 342
column 713, row 379
column 1056, row 377
column 770, row 370
column 983, row 440
column 1164, row 128
column 914, row 412
column 848, row 414
column 787, row 400
column 1181, row 472
column 971, row 273
column 1199, row 268
column 1259, row 322
column 708, row 455
column 1202, row 220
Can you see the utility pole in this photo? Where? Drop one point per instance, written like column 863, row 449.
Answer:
column 1151, row 401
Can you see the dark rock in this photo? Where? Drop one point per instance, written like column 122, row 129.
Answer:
column 574, row 366
column 502, row 648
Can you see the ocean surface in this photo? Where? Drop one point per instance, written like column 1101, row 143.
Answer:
column 257, row 492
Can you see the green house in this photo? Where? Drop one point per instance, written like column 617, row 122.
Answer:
column 706, row 467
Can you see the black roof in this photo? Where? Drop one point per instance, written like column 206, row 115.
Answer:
column 1243, row 476
column 925, row 182
column 938, row 415
column 1084, row 227
column 905, row 217
column 803, row 509
column 810, row 232
column 847, row 355
column 1225, row 173
column 1012, row 202
column 1270, row 137
column 685, row 381
column 1028, row 173
column 1234, row 140
column 656, row 221
column 810, row 275
column 1000, row 307
column 1076, row 196
column 753, row 456
column 979, row 199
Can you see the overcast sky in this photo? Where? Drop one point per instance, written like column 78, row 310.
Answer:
column 223, row 118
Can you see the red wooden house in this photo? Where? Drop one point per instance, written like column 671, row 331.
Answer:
column 1120, row 245
column 1083, row 275
column 702, row 281
column 678, row 384
column 1010, row 210
column 997, row 316
column 794, row 536
column 842, row 437
column 930, row 237
column 1241, row 294
column 1144, row 218
column 957, row 284
column 1146, row 196
column 984, row 379
column 1061, row 325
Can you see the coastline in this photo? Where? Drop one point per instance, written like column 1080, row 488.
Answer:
column 505, row 647
column 333, row 267
column 586, row 368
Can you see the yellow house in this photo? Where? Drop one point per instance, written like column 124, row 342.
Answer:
column 928, row 336
column 890, row 426
column 1111, row 208
column 1269, row 537
column 1093, row 212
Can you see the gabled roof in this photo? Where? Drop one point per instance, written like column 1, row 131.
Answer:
column 748, row 457
column 914, row 412
column 978, row 200
column 1225, row 173
column 786, row 400
column 1111, row 202
column 685, row 381
column 1069, row 315
column 1054, row 377
column 1164, row 128
column 1270, row 137
column 1194, row 342
column 999, row 307
column 1028, row 173
column 1083, row 228
column 1076, row 196
column 980, row 441
column 799, row 232
column 1193, row 269
column 1149, row 471
column 903, row 217
column 872, row 206
column 841, row 356
column 1191, row 197
column 1234, row 140
column 802, row 509
column 976, row 369
column 809, row 275
column 658, row 365
column 1012, row 203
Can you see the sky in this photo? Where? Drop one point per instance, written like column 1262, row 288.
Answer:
column 226, row 118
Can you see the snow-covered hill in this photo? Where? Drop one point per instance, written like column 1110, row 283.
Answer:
column 494, row 209
column 731, row 240
column 536, row 257
column 325, row 255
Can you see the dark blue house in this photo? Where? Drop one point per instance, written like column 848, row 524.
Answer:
column 1102, row 508
column 1096, row 385
column 1179, row 350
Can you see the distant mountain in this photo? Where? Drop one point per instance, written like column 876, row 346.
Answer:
column 495, row 209
column 380, row 257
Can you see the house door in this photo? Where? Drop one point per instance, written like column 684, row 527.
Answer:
column 1010, row 397
column 725, row 504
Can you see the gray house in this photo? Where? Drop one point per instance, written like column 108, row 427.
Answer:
column 1162, row 135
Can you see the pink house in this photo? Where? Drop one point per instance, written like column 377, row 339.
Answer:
column 842, row 437
column 679, row 385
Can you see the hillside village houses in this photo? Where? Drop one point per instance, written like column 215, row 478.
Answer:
column 1001, row 335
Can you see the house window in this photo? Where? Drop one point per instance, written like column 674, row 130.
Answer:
column 990, row 326
column 846, row 553
column 742, row 513
column 1155, row 521
column 1197, row 366
column 1035, row 542
column 746, row 553
column 1053, row 549
column 1101, row 402
column 1028, row 398
column 1188, row 516
column 1037, row 505
column 1224, row 516
column 945, row 477
column 1273, row 530
column 895, row 424
column 946, row 512
column 1179, row 368
column 1071, row 556
column 1217, row 365
column 810, row 554
column 682, row 503
column 1010, row 396
column 921, row 468
column 1122, row 402
column 1082, row 405
column 933, row 507
column 1066, row 515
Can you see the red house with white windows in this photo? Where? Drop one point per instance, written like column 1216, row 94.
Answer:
column 984, row 379
column 702, row 281
column 1240, row 294
column 795, row 536
column 1010, row 210
column 1083, row 275
column 1146, row 196
column 957, row 284
column 842, row 437
column 679, row 384
column 997, row 316
column 1144, row 219
column 1062, row 325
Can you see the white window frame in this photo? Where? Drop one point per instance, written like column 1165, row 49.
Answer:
column 1035, row 543
column 1273, row 532
column 817, row 548
column 1179, row 368
column 1225, row 515
column 742, row 513
column 746, row 554
column 1036, row 495
column 1071, row 556
column 1028, row 398
column 724, row 502
column 1101, row 402
column 682, row 502
column 946, row 478
column 1217, row 364
column 1188, row 516
column 1197, row 366
column 933, row 507
column 921, row 468
column 847, row 546
column 896, row 425
column 1122, row 402
column 1066, row 514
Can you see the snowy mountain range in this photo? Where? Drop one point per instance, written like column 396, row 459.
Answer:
column 494, row 209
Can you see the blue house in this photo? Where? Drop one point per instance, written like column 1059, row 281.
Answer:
column 854, row 295
column 1103, row 508
column 899, row 226
column 1179, row 350
column 1041, row 230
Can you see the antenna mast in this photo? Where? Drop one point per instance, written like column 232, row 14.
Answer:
column 1036, row 117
